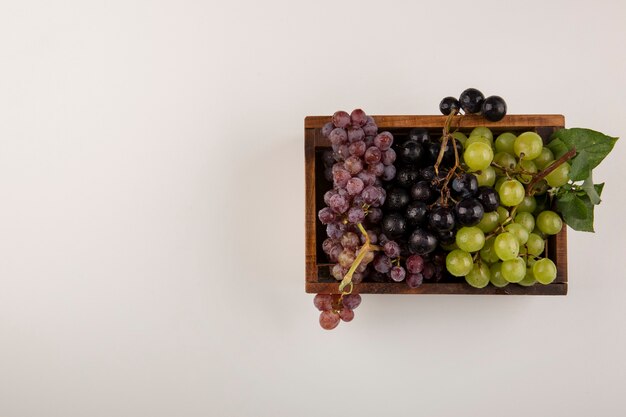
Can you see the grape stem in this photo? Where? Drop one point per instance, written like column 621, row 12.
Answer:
column 554, row 165
column 367, row 247
column 445, row 138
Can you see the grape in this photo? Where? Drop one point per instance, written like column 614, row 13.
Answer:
column 323, row 302
column 346, row 258
column 471, row 100
column 367, row 177
column 478, row 156
column 355, row 134
column 411, row 152
column 494, row 108
column 388, row 157
column 528, row 145
column 529, row 279
column 441, row 219
column 383, row 140
column 371, row 194
column 345, row 314
column 406, row 176
column 338, row 136
column 341, row 119
column 474, row 139
column 358, row 117
column 341, row 177
column 470, row 239
column 496, row 277
column 393, row 225
column 429, row 270
column 478, row 276
column 488, row 253
column 503, row 214
column 459, row 263
column 415, row 213
column 389, row 173
column 535, row 244
column 560, row 175
column 329, row 320
column 519, row 231
column 377, row 169
column 397, row 199
column 351, row 301
column 339, row 204
column 448, row 105
column 489, row 222
column 528, row 205
column 357, row 148
column 350, row 240
column 414, row 280
column 486, row 177
column 525, row 219
column 419, row 135
column 372, row 155
column 549, row 222
column 375, row 215
column 488, row 197
column 333, row 255
column 506, row 246
column 504, row 143
column 469, row 212
column 357, row 215
column 422, row 242
column 511, row 193
column 464, row 186
column 415, row 264
column 326, row 215
column 514, row 270
column 397, row 273
column 484, row 132
column 370, row 130
column 545, row 157
column 544, row 271
column 460, row 137
column 391, row 249
column 354, row 186
column 528, row 166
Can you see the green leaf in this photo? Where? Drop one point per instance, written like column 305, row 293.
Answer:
column 590, row 190
column 578, row 211
column 557, row 146
column 591, row 148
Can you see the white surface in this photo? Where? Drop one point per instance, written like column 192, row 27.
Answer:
column 151, row 210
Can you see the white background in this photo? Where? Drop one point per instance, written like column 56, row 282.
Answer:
column 152, row 210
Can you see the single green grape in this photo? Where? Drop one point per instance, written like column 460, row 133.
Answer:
column 474, row 139
column 529, row 279
column 504, row 143
column 479, row 276
column 535, row 244
column 460, row 136
column 459, row 263
column 528, row 204
column 496, row 275
column 525, row 219
column 514, row 269
column 528, row 166
column 528, row 145
column 486, row 177
column 499, row 183
column 487, row 253
column 544, row 271
column 506, row 246
column 549, row 222
column 511, row 193
column 478, row 156
column 560, row 175
column 489, row 222
column 503, row 214
column 482, row 131
column 545, row 157
column 504, row 160
column 519, row 231
column 470, row 239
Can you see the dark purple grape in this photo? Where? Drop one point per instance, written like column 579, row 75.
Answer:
column 406, row 176
column 419, row 135
column 388, row 157
column 422, row 242
column 421, row 191
column 446, row 237
column 375, row 215
column 429, row 270
column 471, row 100
column 414, row 264
column 358, row 117
column 428, row 173
column 389, row 173
column 494, row 108
column 397, row 199
column 414, row 280
column 464, row 186
column 391, row 249
column 469, row 212
column 415, row 213
column 441, row 219
column 448, row 105
column 341, row 119
column 410, row 152
column 488, row 197
column 393, row 225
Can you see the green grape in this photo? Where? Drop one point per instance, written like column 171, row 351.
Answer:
column 460, row 137
column 479, row 276
column 545, row 157
column 530, row 262
column 459, row 263
column 528, row 205
column 549, row 222
column 544, row 271
column 503, row 214
column 486, row 177
column 504, row 143
column 528, row 145
column 514, row 269
column 519, row 231
column 522, row 250
column 489, row 222
column 482, row 131
column 528, row 166
column 478, row 156
column 539, row 232
column 525, row 219
column 511, row 193
column 470, row 239
column 496, row 275
column 535, row 244
column 499, row 183
column 505, row 160
column 506, row 246
column 474, row 139
column 529, row 279
column 560, row 175
column 487, row 253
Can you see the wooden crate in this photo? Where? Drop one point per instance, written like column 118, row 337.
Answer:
column 318, row 279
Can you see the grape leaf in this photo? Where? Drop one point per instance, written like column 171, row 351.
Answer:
column 557, row 147
column 591, row 148
column 577, row 211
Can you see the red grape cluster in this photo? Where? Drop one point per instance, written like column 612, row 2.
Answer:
column 335, row 307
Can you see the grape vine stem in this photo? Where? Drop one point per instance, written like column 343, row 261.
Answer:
column 367, row 247
column 554, row 165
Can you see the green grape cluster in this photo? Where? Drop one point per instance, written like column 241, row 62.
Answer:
column 508, row 244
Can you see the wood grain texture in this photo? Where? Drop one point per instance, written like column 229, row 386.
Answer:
column 317, row 282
